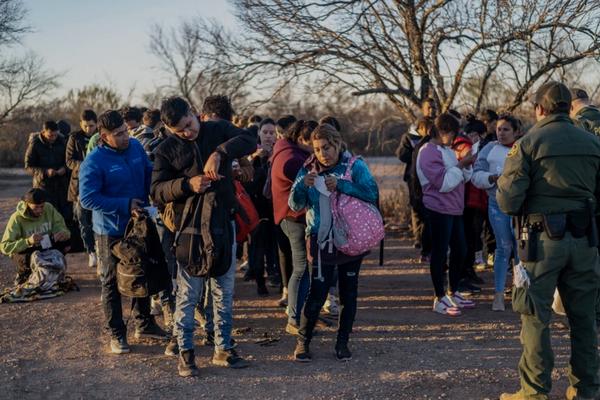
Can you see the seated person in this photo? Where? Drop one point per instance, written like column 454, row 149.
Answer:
column 26, row 228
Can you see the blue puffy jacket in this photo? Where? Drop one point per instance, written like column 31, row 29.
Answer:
column 109, row 180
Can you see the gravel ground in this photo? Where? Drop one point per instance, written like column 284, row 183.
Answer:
column 57, row 349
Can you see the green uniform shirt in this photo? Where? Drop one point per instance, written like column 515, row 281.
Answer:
column 588, row 118
column 554, row 168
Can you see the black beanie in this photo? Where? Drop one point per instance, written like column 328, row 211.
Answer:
column 35, row 196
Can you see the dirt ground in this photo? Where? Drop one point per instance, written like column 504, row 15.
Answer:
column 57, row 349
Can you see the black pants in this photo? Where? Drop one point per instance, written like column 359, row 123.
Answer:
column 420, row 228
column 317, row 294
column 473, row 223
column 446, row 231
column 284, row 249
column 489, row 240
column 261, row 251
column 22, row 260
column 111, row 298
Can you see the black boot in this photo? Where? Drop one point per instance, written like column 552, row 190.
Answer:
column 187, row 364
column 342, row 352
column 302, row 352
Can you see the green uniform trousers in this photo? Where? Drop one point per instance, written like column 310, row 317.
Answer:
column 571, row 265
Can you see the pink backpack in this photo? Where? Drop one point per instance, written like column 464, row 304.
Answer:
column 357, row 224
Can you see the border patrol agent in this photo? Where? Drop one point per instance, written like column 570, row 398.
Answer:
column 550, row 180
column 585, row 115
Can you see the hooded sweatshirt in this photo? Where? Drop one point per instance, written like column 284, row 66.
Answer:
column 286, row 161
column 490, row 161
column 22, row 225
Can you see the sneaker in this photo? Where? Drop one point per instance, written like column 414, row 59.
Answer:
column 498, row 304
column 283, row 300
column 342, row 352
column 262, row 291
column 186, row 365
column 208, row 339
column 465, row 288
column 302, row 352
column 229, row 358
column 445, row 307
column 330, row 307
column 92, row 260
column 244, row 266
column 155, row 306
column 150, row 331
column 459, row 301
column 274, row 281
column 572, row 394
column 490, row 260
column 292, row 329
column 172, row 348
column 479, row 257
column 119, row 345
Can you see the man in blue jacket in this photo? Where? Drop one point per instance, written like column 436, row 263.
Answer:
column 114, row 181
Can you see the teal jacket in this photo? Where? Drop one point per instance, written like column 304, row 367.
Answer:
column 362, row 186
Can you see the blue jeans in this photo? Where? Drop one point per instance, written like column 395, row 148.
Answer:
column 506, row 244
column 299, row 280
column 84, row 218
column 219, row 309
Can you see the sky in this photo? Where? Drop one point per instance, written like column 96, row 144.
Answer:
column 107, row 41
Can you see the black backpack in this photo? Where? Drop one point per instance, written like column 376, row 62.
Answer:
column 414, row 186
column 142, row 269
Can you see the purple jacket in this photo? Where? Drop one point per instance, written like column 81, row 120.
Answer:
column 443, row 182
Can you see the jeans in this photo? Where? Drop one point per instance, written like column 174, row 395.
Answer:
column 506, row 244
column 446, row 230
column 218, row 306
column 319, row 289
column 166, row 239
column 299, row 280
column 84, row 218
column 110, row 296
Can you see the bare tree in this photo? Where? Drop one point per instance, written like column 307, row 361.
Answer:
column 22, row 78
column 408, row 50
column 193, row 57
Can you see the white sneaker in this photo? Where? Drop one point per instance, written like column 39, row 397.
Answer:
column 155, row 307
column 460, row 302
column 92, row 260
column 330, row 307
column 445, row 307
column 244, row 266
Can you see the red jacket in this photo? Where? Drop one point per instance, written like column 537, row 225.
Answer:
column 474, row 198
column 286, row 161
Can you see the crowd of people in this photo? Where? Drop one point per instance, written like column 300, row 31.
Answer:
column 192, row 171
column 467, row 177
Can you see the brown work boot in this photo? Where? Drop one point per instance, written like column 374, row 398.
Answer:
column 521, row 396
column 571, row 394
column 186, row 366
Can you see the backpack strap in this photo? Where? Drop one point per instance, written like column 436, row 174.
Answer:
column 348, row 174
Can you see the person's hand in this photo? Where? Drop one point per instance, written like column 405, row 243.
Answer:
column 466, row 161
column 135, row 205
column 199, row 183
column 60, row 236
column 211, row 168
column 34, row 239
column 492, row 179
column 50, row 172
column 309, row 179
column 61, row 171
column 260, row 152
column 331, row 183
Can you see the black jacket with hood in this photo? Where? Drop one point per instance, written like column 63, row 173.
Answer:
column 205, row 236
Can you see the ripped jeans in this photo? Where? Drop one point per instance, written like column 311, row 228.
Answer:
column 317, row 294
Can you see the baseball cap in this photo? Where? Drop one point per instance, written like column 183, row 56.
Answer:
column 578, row 93
column 551, row 95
